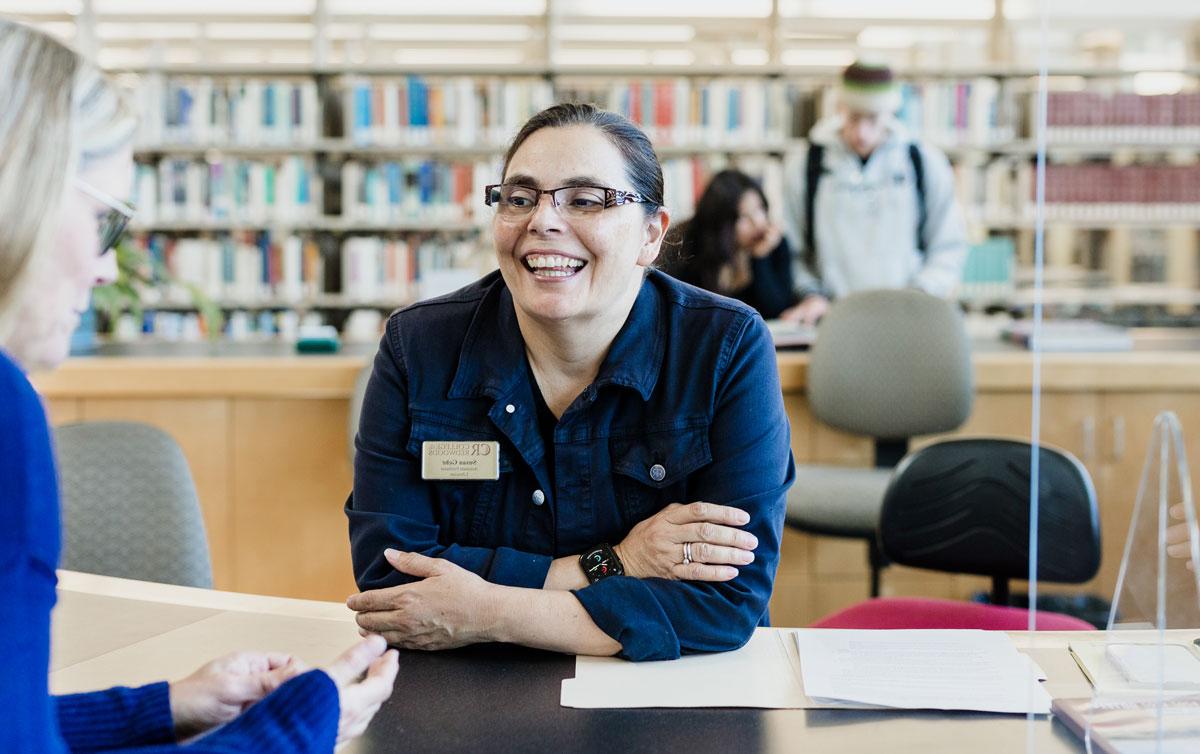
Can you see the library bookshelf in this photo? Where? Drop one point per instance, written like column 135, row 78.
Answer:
column 368, row 178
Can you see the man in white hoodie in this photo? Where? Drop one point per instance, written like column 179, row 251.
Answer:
column 867, row 205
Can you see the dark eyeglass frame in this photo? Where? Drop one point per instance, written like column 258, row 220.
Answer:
column 612, row 197
column 115, row 221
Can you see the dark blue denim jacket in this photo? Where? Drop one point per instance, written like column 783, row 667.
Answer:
column 690, row 383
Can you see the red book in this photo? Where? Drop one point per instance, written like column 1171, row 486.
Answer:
column 1160, row 110
column 635, row 102
column 377, row 104
column 664, row 104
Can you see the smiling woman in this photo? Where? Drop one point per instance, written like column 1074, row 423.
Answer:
column 636, row 501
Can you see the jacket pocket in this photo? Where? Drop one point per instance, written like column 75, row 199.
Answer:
column 651, row 471
column 466, row 506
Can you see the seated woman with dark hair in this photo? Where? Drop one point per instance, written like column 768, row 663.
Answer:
column 731, row 247
column 576, row 452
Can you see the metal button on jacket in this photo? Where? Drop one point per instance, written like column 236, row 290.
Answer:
column 657, row 472
column 539, row 497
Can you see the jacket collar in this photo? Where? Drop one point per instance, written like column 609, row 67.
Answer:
column 492, row 360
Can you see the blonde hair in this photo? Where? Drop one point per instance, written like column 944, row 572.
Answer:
column 58, row 113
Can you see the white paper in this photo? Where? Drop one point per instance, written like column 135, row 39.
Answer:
column 760, row 674
column 920, row 669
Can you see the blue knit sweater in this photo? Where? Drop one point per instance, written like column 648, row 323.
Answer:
column 301, row 716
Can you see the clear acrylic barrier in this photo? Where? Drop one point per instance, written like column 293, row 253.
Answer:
column 1146, row 671
column 1145, row 666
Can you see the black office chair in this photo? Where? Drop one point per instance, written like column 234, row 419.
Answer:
column 962, row 506
column 891, row 365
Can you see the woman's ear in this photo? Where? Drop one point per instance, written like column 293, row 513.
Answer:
column 656, row 230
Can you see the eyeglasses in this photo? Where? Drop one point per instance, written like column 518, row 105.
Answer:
column 516, row 201
column 115, row 220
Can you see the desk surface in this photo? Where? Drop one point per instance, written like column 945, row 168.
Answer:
column 492, row 698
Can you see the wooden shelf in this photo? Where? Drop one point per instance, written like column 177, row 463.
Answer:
column 1082, row 222
column 326, row 301
column 332, row 225
column 1029, row 148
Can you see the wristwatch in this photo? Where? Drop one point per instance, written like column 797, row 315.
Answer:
column 600, row 562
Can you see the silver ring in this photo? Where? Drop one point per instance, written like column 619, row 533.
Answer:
column 687, row 553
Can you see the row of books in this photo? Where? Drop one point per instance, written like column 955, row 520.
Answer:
column 1005, row 187
column 719, row 112
column 485, row 112
column 243, row 111
column 265, row 269
column 1102, row 183
column 975, row 112
column 289, row 192
column 227, row 189
column 1121, row 117
column 432, row 190
column 376, row 192
column 239, row 325
column 458, row 110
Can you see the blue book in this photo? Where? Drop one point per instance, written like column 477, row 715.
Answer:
column 241, row 184
column 704, row 107
column 268, row 105
column 227, row 257
column 647, row 103
column 263, row 241
column 179, row 182
column 362, row 111
column 303, row 195
column 367, row 193
column 735, row 108
column 156, row 247
column 427, row 182
column 418, row 102
column 184, row 115
column 394, row 179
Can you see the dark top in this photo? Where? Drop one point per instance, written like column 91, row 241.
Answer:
column 689, row 384
column 771, row 289
column 301, row 716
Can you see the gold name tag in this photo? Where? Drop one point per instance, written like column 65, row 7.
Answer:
column 471, row 459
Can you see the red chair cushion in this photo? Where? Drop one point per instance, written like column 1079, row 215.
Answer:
column 914, row 612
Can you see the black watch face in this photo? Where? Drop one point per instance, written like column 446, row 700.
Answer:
column 597, row 564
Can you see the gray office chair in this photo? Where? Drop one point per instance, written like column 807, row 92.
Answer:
column 129, row 505
column 891, row 365
column 356, row 402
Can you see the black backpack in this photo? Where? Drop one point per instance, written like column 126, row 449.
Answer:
column 814, row 168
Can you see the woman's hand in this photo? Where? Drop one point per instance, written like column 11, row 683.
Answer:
column 767, row 243
column 449, row 607
column 1178, row 542
column 359, row 695
column 655, row 547
column 224, row 688
column 808, row 311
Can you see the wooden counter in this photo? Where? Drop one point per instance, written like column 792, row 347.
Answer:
column 333, row 376
column 267, row 440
